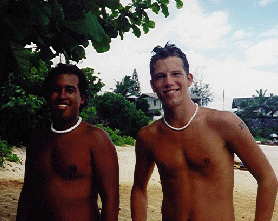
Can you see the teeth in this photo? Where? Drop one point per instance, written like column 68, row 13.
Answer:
column 62, row 105
column 171, row 91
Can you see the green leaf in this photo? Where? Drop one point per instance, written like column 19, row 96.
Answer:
column 146, row 17
column 165, row 2
column 69, row 42
column 114, row 14
column 85, row 43
column 155, row 7
column 134, row 19
column 34, row 70
column 78, row 53
column 87, row 25
column 145, row 28
column 136, row 31
column 102, row 46
column 40, row 14
column 91, row 6
column 125, row 24
column 57, row 12
column 22, row 57
column 112, row 4
column 165, row 10
column 19, row 29
column 151, row 24
column 179, row 4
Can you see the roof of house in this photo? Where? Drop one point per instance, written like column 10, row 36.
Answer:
column 153, row 95
column 238, row 101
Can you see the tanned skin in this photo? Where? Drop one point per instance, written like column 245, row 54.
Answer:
column 196, row 165
column 65, row 172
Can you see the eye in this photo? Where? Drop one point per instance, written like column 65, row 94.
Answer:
column 55, row 90
column 70, row 90
column 176, row 74
column 159, row 76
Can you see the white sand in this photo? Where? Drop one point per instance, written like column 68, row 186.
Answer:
column 12, row 170
column 126, row 155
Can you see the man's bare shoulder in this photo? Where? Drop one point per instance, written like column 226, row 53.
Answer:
column 96, row 135
column 226, row 123
column 152, row 129
column 147, row 135
column 219, row 118
column 91, row 130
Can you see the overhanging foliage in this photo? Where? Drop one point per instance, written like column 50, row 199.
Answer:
column 67, row 27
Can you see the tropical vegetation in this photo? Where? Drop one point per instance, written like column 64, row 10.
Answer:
column 58, row 27
column 34, row 32
column 262, row 106
column 201, row 89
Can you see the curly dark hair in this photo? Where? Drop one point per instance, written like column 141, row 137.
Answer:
column 65, row 69
column 163, row 53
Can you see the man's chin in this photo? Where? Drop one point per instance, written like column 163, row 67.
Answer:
column 60, row 116
column 171, row 103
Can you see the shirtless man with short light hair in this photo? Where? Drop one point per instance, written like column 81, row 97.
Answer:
column 193, row 148
column 69, row 162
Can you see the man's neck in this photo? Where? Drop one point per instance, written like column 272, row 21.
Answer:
column 62, row 124
column 179, row 116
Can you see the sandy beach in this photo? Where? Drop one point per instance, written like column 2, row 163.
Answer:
column 12, row 174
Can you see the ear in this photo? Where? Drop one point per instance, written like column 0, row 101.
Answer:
column 83, row 98
column 190, row 79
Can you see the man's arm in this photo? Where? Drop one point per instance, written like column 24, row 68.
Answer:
column 24, row 206
column 243, row 144
column 107, row 168
column 143, row 170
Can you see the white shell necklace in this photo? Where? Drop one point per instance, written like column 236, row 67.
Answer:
column 67, row 130
column 182, row 128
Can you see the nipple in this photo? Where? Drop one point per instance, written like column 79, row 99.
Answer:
column 73, row 168
column 207, row 160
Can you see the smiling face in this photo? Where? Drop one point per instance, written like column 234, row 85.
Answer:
column 170, row 81
column 65, row 99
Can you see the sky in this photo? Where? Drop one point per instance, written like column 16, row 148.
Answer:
column 232, row 44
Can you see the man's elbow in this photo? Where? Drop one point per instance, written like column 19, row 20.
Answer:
column 275, row 183
column 270, row 182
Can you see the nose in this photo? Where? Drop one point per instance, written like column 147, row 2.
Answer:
column 62, row 94
column 168, row 81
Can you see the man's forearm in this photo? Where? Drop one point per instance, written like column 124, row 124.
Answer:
column 110, row 209
column 139, row 204
column 266, row 196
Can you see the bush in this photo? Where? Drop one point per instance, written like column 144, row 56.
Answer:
column 120, row 114
column 89, row 115
column 143, row 105
column 116, row 138
column 5, row 151
column 12, row 158
column 22, row 107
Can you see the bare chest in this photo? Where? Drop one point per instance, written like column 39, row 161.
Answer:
column 194, row 155
column 63, row 157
